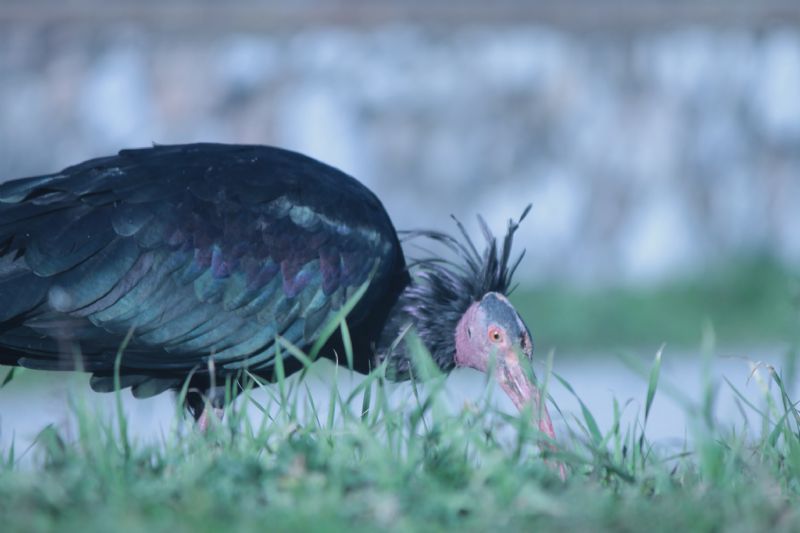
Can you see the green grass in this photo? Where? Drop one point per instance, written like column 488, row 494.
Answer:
column 362, row 465
column 748, row 302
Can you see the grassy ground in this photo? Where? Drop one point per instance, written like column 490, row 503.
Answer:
column 362, row 466
column 752, row 302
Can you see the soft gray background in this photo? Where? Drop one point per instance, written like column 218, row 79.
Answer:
column 651, row 143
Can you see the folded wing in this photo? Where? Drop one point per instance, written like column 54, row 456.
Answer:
column 198, row 252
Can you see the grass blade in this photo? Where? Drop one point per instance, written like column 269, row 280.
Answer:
column 339, row 317
column 12, row 373
column 347, row 343
column 591, row 423
column 296, row 352
column 121, row 419
column 365, row 402
column 652, row 383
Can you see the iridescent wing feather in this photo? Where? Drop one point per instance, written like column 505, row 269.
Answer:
column 202, row 252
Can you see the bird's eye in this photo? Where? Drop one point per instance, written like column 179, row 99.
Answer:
column 495, row 335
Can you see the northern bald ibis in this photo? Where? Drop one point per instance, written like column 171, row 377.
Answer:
column 202, row 255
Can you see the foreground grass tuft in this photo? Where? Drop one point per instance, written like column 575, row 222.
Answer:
column 363, row 465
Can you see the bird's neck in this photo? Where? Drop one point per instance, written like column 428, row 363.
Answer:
column 374, row 316
column 434, row 325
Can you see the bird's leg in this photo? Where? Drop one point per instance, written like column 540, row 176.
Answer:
column 209, row 412
column 205, row 406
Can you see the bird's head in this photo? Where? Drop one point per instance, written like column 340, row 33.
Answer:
column 462, row 314
column 491, row 327
column 492, row 337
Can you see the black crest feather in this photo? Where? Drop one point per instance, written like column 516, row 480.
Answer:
column 442, row 289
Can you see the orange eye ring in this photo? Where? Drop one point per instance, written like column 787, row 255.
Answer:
column 495, row 335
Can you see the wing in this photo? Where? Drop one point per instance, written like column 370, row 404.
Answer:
column 200, row 252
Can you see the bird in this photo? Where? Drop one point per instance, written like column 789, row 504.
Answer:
column 188, row 265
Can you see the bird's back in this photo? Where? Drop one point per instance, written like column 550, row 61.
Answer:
column 188, row 254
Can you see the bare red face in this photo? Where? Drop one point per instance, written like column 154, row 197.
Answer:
column 492, row 332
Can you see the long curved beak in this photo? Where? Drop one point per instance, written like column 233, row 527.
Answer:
column 513, row 379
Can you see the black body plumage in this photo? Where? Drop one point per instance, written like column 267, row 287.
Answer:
column 201, row 251
column 206, row 253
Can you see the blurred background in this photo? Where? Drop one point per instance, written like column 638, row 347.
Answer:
column 659, row 143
